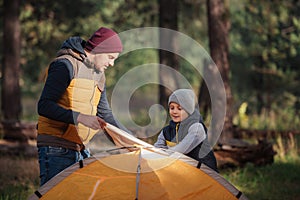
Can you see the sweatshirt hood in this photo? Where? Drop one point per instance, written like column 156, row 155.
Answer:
column 76, row 44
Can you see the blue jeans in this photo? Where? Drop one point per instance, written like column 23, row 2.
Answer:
column 53, row 160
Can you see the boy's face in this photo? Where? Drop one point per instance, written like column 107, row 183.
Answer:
column 177, row 113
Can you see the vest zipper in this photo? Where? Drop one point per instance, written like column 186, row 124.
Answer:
column 92, row 102
column 176, row 129
column 93, row 95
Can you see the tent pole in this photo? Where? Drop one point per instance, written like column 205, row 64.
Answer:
column 138, row 172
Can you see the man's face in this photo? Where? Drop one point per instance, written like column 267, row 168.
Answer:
column 104, row 60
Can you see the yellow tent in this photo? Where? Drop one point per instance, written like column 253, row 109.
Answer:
column 144, row 172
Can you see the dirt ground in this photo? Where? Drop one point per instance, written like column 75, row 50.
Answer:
column 15, row 148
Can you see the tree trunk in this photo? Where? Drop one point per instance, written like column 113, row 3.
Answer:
column 203, row 97
column 11, row 95
column 11, row 103
column 168, row 10
column 218, row 28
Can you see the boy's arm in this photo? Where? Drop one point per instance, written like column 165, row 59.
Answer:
column 161, row 141
column 196, row 135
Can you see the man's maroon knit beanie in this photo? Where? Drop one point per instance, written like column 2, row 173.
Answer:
column 104, row 40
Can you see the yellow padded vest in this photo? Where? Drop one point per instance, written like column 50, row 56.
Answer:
column 82, row 95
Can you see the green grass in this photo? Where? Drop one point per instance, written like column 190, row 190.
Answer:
column 277, row 181
column 281, row 180
column 18, row 177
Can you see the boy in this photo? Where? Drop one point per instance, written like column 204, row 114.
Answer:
column 186, row 132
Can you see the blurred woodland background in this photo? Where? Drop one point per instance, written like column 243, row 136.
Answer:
column 255, row 45
column 263, row 50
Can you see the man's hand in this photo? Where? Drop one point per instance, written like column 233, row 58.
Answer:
column 101, row 122
column 91, row 121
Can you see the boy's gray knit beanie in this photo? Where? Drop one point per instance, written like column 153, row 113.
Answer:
column 185, row 98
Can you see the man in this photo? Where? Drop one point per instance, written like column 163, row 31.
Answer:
column 73, row 104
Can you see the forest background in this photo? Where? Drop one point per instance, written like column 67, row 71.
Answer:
column 263, row 52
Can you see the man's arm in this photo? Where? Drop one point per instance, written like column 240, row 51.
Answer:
column 57, row 81
column 104, row 111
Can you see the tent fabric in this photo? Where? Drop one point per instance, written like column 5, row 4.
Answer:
column 144, row 172
column 122, row 138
